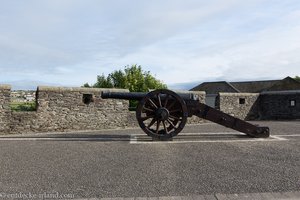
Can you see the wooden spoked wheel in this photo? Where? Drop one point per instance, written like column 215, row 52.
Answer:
column 162, row 114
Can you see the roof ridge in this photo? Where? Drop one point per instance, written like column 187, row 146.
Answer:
column 292, row 79
column 252, row 81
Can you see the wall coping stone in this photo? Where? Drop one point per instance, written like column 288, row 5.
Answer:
column 5, row 87
column 78, row 89
column 190, row 92
column 237, row 94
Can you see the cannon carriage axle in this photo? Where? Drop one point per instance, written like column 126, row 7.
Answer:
column 162, row 114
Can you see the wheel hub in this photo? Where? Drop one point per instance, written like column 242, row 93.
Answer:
column 162, row 114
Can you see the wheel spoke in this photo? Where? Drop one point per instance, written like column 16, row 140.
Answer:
column 167, row 99
column 166, row 130
column 153, row 104
column 174, row 121
column 173, row 117
column 148, row 109
column 159, row 100
column 147, row 117
column 171, row 124
column 152, row 122
column 157, row 126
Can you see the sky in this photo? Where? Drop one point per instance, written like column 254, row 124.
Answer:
column 181, row 42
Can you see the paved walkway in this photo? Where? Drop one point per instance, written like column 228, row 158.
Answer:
column 247, row 196
column 203, row 159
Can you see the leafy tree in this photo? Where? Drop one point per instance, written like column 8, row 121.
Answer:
column 103, row 82
column 132, row 78
column 118, row 79
column 297, row 78
column 86, row 85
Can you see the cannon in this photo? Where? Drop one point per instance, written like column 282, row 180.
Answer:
column 162, row 113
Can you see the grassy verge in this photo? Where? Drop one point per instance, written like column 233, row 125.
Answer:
column 23, row 106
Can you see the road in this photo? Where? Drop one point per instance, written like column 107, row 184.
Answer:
column 205, row 159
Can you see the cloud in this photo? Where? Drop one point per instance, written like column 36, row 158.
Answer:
column 266, row 52
column 72, row 41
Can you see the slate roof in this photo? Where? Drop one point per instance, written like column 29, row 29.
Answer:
column 287, row 83
column 254, row 86
column 215, row 87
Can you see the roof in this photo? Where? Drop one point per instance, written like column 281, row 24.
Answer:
column 254, row 86
column 287, row 83
column 215, row 87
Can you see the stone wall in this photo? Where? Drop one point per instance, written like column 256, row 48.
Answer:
column 79, row 108
column 65, row 109
column 25, row 122
column 280, row 105
column 69, row 109
column 201, row 98
column 241, row 105
column 5, row 108
column 62, row 109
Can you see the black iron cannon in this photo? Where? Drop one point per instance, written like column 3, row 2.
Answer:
column 162, row 114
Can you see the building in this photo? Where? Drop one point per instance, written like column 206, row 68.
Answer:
column 277, row 99
column 212, row 89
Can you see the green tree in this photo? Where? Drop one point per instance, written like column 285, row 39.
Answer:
column 86, row 85
column 297, row 78
column 118, row 79
column 132, row 78
column 103, row 82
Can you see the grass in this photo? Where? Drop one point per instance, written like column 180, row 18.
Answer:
column 23, row 106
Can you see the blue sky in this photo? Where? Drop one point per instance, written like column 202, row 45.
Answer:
column 70, row 42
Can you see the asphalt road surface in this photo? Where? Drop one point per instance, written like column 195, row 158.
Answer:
column 205, row 159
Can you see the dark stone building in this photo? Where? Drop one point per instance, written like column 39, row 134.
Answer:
column 277, row 99
column 280, row 105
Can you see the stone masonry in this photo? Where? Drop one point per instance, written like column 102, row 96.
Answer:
column 241, row 105
column 62, row 109
column 5, row 111
column 280, row 105
column 68, row 109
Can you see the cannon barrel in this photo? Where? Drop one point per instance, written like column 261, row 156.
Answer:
column 123, row 95
column 140, row 95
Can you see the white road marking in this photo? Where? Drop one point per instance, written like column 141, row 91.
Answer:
column 215, row 137
column 293, row 135
column 17, row 139
column 277, row 137
column 62, row 139
column 133, row 139
column 136, row 140
column 207, row 133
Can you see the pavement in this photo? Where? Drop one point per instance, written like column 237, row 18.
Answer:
column 205, row 161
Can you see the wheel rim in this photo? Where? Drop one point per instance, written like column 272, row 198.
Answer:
column 162, row 114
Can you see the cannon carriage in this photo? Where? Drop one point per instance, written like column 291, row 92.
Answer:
column 162, row 114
